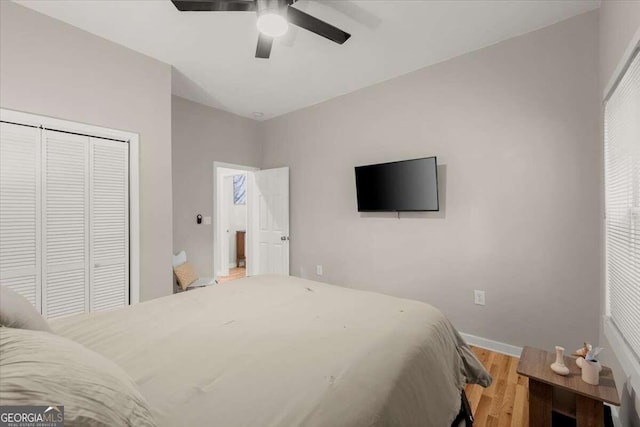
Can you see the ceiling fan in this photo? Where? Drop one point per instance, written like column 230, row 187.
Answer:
column 274, row 17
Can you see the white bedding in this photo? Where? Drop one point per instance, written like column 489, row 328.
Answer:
column 282, row 351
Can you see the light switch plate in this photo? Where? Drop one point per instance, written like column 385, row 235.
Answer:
column 206, row 220
column 319, row 270
column 478, row 297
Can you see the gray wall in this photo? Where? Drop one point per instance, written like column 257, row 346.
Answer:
column 516, row 126
column 50, row 68
column 619, row 23
column 202, row 135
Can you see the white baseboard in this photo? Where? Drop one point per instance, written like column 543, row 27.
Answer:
column 497, row 346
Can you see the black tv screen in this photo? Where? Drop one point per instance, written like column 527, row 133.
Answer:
column 409, row 185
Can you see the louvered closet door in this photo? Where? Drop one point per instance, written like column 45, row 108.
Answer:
column 109, row 224
column 65, row 225
column 20, row 210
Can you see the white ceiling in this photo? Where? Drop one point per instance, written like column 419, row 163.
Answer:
column 213, row 52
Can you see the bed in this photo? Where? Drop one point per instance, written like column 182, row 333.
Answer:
column 283, row 351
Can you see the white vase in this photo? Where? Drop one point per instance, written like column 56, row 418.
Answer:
column 591, row 372
column 558, row 366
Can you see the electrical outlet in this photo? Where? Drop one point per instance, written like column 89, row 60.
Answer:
column 319, row 270
column 478, row 297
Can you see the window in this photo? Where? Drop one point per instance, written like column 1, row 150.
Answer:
column 239, row 189
column 622, row 205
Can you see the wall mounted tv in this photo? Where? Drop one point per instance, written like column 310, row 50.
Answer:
column 409, row 185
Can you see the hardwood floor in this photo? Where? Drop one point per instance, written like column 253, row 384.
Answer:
column 506, row 402
column 234, row 273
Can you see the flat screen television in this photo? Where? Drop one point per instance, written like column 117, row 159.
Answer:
column 409, row 185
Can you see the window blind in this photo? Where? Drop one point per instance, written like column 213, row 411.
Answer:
column 622, row 204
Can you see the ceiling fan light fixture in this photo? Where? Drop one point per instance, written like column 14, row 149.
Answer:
column 272, row 24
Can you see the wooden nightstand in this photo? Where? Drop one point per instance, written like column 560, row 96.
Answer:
column 569, row 396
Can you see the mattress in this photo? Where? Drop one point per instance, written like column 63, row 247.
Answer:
column 283, row 351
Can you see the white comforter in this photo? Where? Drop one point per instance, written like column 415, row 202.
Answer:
column 282, row 351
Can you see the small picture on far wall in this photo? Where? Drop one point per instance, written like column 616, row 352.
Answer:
column 239, row 189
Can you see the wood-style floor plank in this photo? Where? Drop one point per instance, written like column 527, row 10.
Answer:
column 506, row 402
column 234, row 273
column 521, row 407
column 506, row 409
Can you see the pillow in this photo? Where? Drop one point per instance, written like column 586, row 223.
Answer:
column 179, row 258
column 186, row 275
column 17, row 312
column 39, row 368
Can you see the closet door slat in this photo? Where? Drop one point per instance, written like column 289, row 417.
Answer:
column 109, row 224
column 20, row 210
column 65, row 226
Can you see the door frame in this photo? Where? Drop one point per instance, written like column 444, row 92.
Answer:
column 217, row 190
column 132, row 138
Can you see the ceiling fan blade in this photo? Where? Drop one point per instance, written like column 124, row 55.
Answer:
column 308, row 22
column 215, row 5
column 263, row 50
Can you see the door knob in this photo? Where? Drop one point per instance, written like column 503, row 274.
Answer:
column 283, row 238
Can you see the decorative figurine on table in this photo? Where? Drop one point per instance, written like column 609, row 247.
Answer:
column 558, row 366
column 587, row 360
column 581, row 353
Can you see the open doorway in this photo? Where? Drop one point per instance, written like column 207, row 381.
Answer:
column 231, row 205
column 251, row 221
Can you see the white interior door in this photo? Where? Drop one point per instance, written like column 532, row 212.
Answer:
column 65, row 224
column 269, row 222
column 20, row 210
column 109, row 240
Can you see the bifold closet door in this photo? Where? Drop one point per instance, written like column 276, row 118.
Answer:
column 109, row 224
column 20, row 210
column 86, row 224
column 65, row 224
